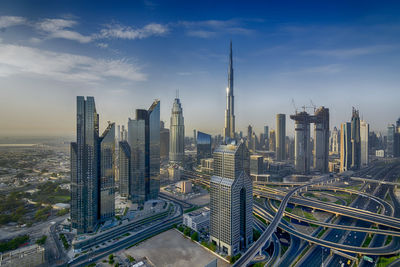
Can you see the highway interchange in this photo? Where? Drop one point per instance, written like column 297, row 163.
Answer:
column 338, row 241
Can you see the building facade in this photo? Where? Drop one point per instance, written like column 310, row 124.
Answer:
column 231, row 200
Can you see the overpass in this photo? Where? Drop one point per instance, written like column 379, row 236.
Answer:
column 367, row 180
column 255, row 248
column 385, row 250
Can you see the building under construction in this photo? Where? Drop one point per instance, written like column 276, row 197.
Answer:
column 303, row 144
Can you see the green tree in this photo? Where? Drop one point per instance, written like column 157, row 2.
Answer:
column 187, row 231
column 195, row 236
column 42, row 240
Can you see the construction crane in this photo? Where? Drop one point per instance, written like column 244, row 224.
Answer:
column 294, row 106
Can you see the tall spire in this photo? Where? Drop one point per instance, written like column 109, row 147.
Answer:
column 230, row 71
column 229, row 130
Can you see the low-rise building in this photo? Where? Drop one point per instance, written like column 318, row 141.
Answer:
column 207, row 165
column 186, row 187
column 380, row 153
column 26, row 256
column 198, row 219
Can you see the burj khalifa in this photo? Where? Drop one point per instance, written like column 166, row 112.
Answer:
column 229, row 129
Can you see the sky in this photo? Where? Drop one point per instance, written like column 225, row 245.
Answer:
column 287, row 54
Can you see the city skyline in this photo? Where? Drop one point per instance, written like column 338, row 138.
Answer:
column 53, row 53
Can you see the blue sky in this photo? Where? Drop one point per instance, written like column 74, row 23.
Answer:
column 338, row 54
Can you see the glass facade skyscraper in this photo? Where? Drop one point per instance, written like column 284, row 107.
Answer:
column 107, row 191
column 144, row 142
column 124, row 168
column 203, row 142
column 85, row 167
column 345, row 147
column 355, row 140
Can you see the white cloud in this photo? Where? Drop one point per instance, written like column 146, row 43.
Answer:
column 102, row 45
column 64, row 66
column 210, row 28
column 126, row 32
column 61, row 28
column 8, row 21
column 349, row 52
column 201, row 33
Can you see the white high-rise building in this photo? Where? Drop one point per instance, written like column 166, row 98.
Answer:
column 364, row 132
column 177, row 134
column 231, row 199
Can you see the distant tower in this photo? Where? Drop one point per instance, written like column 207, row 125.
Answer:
column 229, row 130
column 231, row 200
column 390, row 143
column 280, row 137
column 272, row 140
column 321, row 142
column 177, row 134
column 345, row 147
column 364, row 133
column 335, row 141
column 355, row 140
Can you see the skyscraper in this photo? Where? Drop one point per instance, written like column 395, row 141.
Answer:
column 124, row 168
column 355, row 140
column 85, row 167
column 164, row 141
column 302, row 147
column 272, row 140
column 321, row 142
column 229, row 130
column 364, row 134
column 345, row 147
column 177, row 134
column 335, row 141
column 280, row 137
column 144, row 141
column 203, row 146
column 396, row 141
column 231, row 200
column 266, row 138
column 107, row 163
column 391, row 130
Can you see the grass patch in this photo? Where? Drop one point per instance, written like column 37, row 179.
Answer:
column 388, row 240
column 383, row 261
column 321, row 233
column 192, row 209
column 367, row 241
